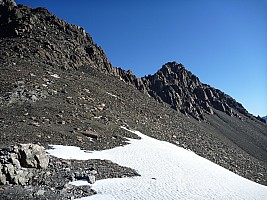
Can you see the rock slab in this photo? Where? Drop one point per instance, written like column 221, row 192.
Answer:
column 18, row 162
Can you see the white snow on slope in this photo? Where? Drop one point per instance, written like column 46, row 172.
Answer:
column 167, row 172
column 55, row 75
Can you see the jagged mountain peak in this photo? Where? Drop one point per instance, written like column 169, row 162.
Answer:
column 173, row 72
column 178, row 87
column 170, row 67
column 185, row 92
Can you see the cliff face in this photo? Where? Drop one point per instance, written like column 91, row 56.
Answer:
column 181, row 89
column 36, row 34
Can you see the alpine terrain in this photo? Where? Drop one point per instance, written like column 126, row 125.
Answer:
column 59, row 92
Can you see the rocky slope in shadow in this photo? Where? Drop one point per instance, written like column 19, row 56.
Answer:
column 58, row 87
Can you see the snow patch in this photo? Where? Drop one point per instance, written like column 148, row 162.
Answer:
column 80, row 182
column 55, row 75
column 68, row 152
column 167, row 172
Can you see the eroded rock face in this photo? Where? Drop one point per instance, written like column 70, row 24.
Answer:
column 36, row 34
column 18, row 162
column 6, row 6
column 175, row 85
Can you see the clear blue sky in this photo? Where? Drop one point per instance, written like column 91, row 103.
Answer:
column 223, row 42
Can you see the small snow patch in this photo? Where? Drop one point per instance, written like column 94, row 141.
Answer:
column 55, row 75
column 80, row 182
column 68, row 152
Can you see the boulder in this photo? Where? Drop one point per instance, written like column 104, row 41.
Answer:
column 18, row 162
column 32, row 155
column 91, row 134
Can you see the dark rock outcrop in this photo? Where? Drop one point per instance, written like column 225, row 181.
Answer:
column 181, row 89
column 44, row 37
column 263, row 119
column 6, row 6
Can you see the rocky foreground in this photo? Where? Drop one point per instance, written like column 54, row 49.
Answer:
column 27, row 172
column 58, row 87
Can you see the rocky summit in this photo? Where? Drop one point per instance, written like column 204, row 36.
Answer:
column 181, row 89
column 58, row 87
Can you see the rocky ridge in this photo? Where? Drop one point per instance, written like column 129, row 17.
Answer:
column 181, row 89
column 81, row 100
column 71, row 47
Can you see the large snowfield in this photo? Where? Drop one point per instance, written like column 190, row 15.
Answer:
column 167, row 172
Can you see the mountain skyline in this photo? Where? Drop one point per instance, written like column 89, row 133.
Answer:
column 223, row 43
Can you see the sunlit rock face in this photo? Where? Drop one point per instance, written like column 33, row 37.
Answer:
column 178, row 87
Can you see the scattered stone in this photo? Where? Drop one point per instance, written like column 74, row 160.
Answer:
column 35, row 124
column 32, row 156
column 40, row 193
column 89, row 133
column 91, row 179
column 101, row 106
